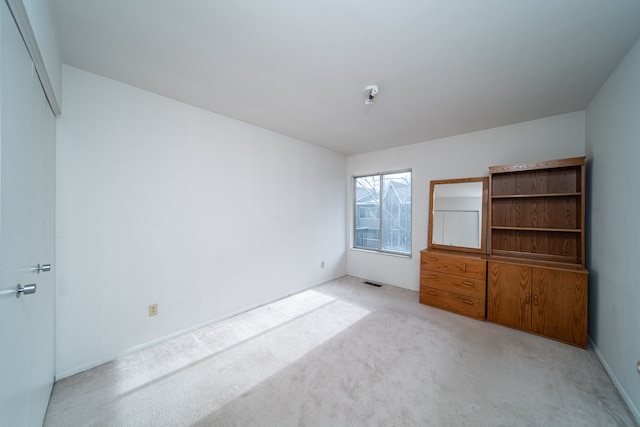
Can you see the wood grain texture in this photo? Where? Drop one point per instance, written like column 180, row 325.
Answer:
column 507, row 288
column 458, row 284
column 545, row 245
column 537, row 210
column 560, row 309
column 552, row 302
column 546, row 164
column 469, row 267
column 536, row 276
column 454, row 281
column 460, row 304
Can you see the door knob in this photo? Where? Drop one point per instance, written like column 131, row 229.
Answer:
column 26, row 289
column 43, row 267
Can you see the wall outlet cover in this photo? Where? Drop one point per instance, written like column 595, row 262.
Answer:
column 153, row 310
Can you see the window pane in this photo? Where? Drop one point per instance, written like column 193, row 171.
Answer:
column 382, row 212
column 367, row 221
column 396, row 212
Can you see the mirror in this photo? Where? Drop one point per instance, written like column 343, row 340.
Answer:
column 458, row 214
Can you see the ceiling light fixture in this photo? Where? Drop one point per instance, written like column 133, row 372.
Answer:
column 371, row 92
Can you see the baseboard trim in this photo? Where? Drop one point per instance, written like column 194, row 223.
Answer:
column 623, row 393
column 190, row 329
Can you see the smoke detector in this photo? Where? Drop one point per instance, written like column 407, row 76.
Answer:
column 371, row 92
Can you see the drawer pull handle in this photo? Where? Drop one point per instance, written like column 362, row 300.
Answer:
column 535, row 300
column 432, row 293
column 466, row 282
column 464, row 268
column 433, row 259
column 432, row 276
column 467, row 302
column 527, row 299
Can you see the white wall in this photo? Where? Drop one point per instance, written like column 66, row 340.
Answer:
column 613, row 237
column 162, row 202
column 462, row 156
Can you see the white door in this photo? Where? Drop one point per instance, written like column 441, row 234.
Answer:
column 27, row 150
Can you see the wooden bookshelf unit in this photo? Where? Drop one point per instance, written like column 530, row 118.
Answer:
column 537, row 210
column 537, row 281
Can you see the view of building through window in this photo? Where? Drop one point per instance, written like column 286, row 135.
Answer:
column 383, row 212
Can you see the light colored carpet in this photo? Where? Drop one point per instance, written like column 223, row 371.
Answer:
column 345, row 353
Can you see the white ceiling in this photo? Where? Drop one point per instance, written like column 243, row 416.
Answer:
column 444, row 67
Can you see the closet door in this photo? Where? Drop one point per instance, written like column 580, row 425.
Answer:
column 27, row 144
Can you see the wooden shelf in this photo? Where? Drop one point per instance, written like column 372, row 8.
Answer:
column 537, row 210
column 539, row 195
column 553, row 230
column 545, row 165
column 521, row 259
column 556, row 179
column 534, row 257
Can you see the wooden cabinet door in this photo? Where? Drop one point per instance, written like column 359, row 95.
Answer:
column 559, row 305
column 509, row 295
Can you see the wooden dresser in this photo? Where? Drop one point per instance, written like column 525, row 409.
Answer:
column 454, row 281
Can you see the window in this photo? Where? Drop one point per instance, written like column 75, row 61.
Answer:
column 368, row 212
column 382, row 207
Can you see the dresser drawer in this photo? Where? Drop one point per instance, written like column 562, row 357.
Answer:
column 465, row 305
column 448, row 282
column 469, row 267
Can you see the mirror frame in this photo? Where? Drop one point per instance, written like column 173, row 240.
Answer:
column 483, row 238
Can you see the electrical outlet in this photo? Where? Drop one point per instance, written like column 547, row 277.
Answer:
column 153, row 310
column 322, row 264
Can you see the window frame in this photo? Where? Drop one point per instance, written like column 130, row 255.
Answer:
column 380, row 218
